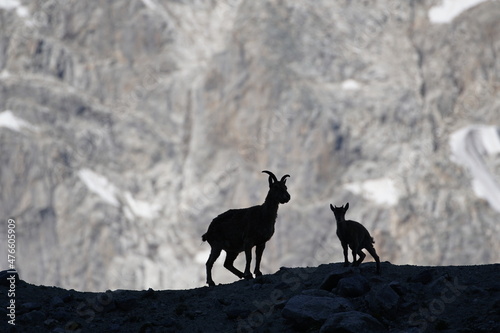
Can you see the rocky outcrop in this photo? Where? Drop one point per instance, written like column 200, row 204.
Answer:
column 457, row 298
column 127, row 126
column 306, row 311
column 351, row 322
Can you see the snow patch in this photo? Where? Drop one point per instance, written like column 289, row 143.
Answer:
column 9, row 4
column 4, row 74
column 21, row 10
column 490, row 136
column 100, row 185
column 108, row 192
column 142, row 208
column 10, row 121
column 150, row 4
column 351, row 85
column 202, row 256
column 382, row 191
column 449, row 9
column 468, row 148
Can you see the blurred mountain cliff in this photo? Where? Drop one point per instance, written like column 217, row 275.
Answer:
column 127, row 126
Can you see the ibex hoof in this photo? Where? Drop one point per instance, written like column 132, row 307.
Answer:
column 258, row 274
column 248, row 276
column 211, row 283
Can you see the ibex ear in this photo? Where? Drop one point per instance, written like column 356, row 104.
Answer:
column 270, row 181
column 346, row 207
column 331, row 207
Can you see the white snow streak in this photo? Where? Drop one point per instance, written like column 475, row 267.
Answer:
column 351, row 85
column 381, row 191
column 449, row 9
column 9, row 4
column 142, row 208
column 469, row 146
column 10, row 121
column 100, row 185
column 21, row 11
column 150, row 4
column 4, row 74
column 201, row 257
column 108, row 192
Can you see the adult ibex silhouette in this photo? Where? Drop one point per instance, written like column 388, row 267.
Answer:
column 240, row 230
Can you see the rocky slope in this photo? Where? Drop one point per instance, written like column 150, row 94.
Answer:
column 126, row 126
column 328, row 298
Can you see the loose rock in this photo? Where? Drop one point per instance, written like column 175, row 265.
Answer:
column 352, row 322
column 306, row 310
column 353, row 286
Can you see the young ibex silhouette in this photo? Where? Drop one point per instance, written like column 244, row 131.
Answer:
column 354, row 235
column 240, row 230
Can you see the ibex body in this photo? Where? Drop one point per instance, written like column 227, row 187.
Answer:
column 354, row 235
column 240, row 230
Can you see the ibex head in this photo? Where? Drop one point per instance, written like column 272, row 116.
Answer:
column 339, row 212
column 277, row 188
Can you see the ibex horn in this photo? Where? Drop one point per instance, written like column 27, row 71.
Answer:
column 284, row 177
column 272, row 177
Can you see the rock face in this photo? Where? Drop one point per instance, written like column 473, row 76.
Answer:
column 127, row 126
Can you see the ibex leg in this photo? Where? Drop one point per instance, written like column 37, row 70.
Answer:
column 248, row 256
column 228, row 263
column 373, row 253
column 214, row 254
column 362, row 256
column 259, row 249
column 346, row 260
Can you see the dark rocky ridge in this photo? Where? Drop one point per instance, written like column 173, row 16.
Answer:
column 402, row 299
column 152, row 117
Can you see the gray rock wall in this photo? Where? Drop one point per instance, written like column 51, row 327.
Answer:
column 143, row 120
